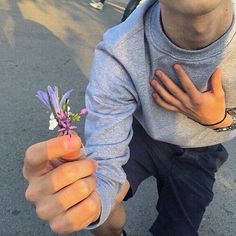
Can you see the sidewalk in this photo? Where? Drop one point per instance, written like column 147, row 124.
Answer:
column 51, row 42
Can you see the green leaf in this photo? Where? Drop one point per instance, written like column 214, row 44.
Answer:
column 75, row 117
column 65, row 105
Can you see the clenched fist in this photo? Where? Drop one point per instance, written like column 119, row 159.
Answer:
column 64, row 192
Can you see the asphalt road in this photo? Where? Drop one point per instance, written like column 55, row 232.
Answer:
column 51, row 42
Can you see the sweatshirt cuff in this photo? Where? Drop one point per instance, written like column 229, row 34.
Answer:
column 107, row 199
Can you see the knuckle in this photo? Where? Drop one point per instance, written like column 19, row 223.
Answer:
column 42, row 212
column 197, row 101
column 187, row 109
column 91, row 165
column 186, row 106
column 84, row 187
column 93, row 206
column 221, row 94
column 69, row 172
column 95, row 164
column 30, row 194
column 94, row 183
column 176, row 93
column 57, row 227
column 29, row 158
column 94, row 180
column 178, row 104
column 25, row 174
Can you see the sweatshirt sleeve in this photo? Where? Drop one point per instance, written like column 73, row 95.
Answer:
column 111, row 100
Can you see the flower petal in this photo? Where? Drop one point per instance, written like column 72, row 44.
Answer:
column 52, row 117
column 43, row 97
column 65, row 96
column 53, row 124
column 54, row 99
column 83, row 111
column 56, row 92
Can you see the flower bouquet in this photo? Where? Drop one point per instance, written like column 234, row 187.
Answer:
column 61, row 116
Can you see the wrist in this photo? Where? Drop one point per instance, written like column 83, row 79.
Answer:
column 215, row 125
column 225, row 123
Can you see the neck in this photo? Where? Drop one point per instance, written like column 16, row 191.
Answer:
column 195, row 32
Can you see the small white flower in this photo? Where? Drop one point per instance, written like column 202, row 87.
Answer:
column 52, row 122
column 68, row 110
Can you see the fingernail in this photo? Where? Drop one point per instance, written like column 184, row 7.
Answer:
column 158, row 73
column 152, row 82
column 176, row 66
column 154, row 95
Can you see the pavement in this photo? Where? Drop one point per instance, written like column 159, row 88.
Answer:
column 51, row 42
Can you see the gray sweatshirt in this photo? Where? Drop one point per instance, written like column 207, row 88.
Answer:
column 123, row 65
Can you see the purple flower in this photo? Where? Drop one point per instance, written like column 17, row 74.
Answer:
column 61, row 115
column 64, row 123
column 83, row 111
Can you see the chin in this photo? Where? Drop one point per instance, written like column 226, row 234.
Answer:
column 192, row 7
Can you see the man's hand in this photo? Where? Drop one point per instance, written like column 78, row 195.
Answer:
column 64, row 193
column 204, row 107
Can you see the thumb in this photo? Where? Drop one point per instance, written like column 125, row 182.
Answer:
column 215, row 81
column 75, row 153
column 66, row 146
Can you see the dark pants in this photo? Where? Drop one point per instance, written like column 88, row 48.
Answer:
column 185, row 178
column 131, row 6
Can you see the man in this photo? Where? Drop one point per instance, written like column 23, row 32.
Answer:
column 159, row 67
